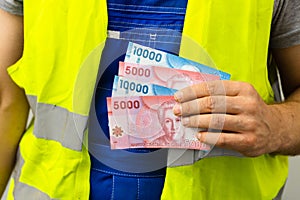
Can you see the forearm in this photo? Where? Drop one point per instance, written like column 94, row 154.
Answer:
column 13, row 103
column 288, row 124
column 288, row 62
column 12, row 124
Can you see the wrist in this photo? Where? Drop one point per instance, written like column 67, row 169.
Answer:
column 283, row 131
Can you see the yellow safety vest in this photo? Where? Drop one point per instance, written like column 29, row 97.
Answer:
column 235, row 34
column 59, row 82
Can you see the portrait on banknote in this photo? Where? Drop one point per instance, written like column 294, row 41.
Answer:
column 170, row 124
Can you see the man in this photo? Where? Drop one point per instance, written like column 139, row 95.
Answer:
column 43, row 86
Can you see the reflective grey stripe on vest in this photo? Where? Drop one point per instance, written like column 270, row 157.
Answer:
column 58, row 124
column 179, row 157
column 21, row 190
column 32, row 102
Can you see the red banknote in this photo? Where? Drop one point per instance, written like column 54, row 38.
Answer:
column 148, row 122
column 167, row 77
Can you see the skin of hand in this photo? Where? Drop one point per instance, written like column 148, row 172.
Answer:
column 13, row 104
column 246, row 123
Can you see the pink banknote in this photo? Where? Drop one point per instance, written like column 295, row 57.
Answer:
column 167, row 77
column 148, row 122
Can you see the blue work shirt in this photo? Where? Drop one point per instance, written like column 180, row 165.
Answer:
column 133, row 173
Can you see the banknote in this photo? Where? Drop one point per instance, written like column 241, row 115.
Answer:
column 123, row 86
column 148, row 122
column 167, row 77
column 148, row 56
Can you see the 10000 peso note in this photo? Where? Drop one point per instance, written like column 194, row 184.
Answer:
column 148, row 56
column 127, row 87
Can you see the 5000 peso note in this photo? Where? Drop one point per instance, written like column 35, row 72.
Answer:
column 148, row 56
column 167, row 77
column 148, row 122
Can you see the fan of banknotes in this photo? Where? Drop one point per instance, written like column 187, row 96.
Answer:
column 140, row 109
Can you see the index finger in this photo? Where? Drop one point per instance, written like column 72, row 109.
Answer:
column 210, row 88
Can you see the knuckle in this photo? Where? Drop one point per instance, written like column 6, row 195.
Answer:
column 237, row 107
column 240, row 123
column 250, row 141
column 211, row 88
column 222, row 141
column 251, row 124
column 186, row 108
column 220, row 88
column 220, row 104
column 210, row 103
column 252, row 104
column 246, row 123
column 240, row 86
column 218, row 121
column 194, row 121
column 246, row 86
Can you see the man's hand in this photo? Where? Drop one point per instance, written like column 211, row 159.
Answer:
column 234, row 108
column 246, row 123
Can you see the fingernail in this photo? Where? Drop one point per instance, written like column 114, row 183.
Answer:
column 199, row 136
column 185, row 121
column 178, row 96
column 177, row 109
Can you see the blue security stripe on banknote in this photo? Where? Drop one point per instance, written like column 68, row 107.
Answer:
column 148, row 56
column 123, row 87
